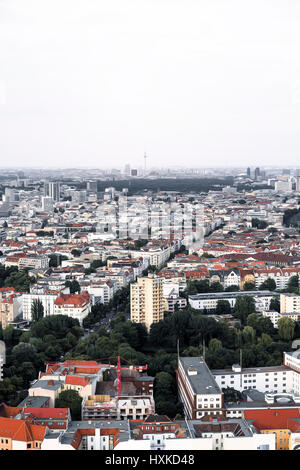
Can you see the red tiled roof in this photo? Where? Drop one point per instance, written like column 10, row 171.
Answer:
column 275, row 419
column 54, row 413
column 21, row 430
column 76, row 380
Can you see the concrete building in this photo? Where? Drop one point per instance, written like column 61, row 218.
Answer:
column 2, row 358
column 47, row 203
column 275, row 316
column 147, row 301
column 197, row 389
column 209, row 434
column 209, row 301
column 33, row 261
column 47, row 301
column 52, row 189
column 289, row 303
column 76, row 306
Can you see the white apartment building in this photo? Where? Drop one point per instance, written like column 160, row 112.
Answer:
column 197, row 389
column 46, row 299
column 103, row 292
column 76, row 306
column 47, row 203
column 157, row 256
column 209, row 301
column 2, row 358
column 35, row 262
column 289, row 303
column 277, row 379
column 280, row 276
column 274, row 316
column 233, row 436
column 174, row 285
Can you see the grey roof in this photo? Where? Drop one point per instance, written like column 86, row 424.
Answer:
column 45, row 384
column 294, row 354
column 123, row 427
column 252, row 370
column 226, row 295
column 203, row 382
column 262, row 405
column 34, row 402
column 238, row 426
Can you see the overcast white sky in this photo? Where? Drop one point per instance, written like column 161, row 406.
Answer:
column 192, row 82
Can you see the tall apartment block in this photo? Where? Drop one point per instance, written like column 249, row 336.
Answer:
column 146, row 300
column 52, row 189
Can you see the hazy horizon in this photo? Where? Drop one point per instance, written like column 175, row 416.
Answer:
column 200, row 83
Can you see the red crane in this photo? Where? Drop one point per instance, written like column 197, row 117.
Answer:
column 139, row 368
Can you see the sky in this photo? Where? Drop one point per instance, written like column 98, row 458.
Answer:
column 96, row 83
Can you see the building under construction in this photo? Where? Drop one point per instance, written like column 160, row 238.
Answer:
column 124, row 393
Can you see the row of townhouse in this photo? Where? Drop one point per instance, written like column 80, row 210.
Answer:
column 154, row 433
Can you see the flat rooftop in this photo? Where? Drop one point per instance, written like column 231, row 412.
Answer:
column 232, row 295
column 251, row 370
column 202, row 382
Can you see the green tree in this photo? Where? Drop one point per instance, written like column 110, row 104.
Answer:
column 275, row 304
column 249, row 286
column 214, row 345
column 244, row 305
column 249, row 334
column 223, row 307
column 268, row 284
column 293, row 285
column 24, row 352
column 37, row 310
column 286, row 328
column 72, row 400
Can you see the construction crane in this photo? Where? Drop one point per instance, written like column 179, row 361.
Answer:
column 117, row 367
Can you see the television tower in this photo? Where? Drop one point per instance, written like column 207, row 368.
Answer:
column 145, row 160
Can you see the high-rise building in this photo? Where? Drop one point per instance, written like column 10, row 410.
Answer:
column 52, row 189
column 147, row 301
column 79, row 196
column 298, row 184
column 133, row 172
column 256, row 173
column 91, row 186
column 249, row 172
column 47, row 203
